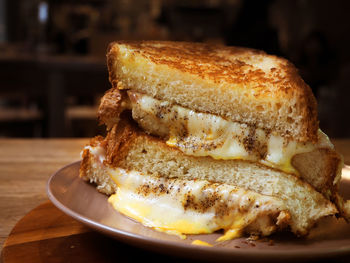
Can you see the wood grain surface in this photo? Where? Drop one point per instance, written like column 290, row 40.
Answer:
column 46, row 234
column 25, row 166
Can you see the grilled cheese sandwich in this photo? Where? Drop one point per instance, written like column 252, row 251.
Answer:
column 187, row 120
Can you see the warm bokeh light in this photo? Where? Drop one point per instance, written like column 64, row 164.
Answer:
column 346, row 172
column 52, row 53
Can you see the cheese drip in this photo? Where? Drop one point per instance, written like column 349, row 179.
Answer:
column 204, row 134
column 181, row 207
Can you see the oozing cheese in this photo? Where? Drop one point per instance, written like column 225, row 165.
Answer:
column 203, row 134
column 183, row 207
column 97, row 152
column 198, row 242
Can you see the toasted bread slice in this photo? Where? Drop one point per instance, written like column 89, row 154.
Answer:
column 129, row 148
column 239, row 84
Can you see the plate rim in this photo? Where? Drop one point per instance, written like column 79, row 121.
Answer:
column 135, row 239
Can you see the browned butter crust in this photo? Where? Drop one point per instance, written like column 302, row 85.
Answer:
column 226, row 71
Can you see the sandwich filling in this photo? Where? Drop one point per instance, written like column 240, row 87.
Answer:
column 204, row 134
column 197, row 206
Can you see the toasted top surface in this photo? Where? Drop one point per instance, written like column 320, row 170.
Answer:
column 257, row 80
column 269, row 74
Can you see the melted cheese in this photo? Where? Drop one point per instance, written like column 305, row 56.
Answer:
column 97, row 152
column 180, row 207
column 203, row 134
column 231, row 234
column 198, row 242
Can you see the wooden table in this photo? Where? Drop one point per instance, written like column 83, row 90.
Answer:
column 26, row 164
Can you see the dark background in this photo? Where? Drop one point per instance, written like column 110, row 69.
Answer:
column 52, row 53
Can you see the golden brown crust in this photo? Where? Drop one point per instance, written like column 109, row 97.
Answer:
column 111, row 106
column 86, row 156
column 96, row 141
column 118, row 140
column 232, row 68
column 85, row 164
column 111, row 58
column 307, row 101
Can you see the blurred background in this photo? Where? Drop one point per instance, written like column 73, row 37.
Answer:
column 52, row 53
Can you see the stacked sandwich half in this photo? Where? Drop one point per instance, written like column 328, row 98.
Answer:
column 204, row 138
